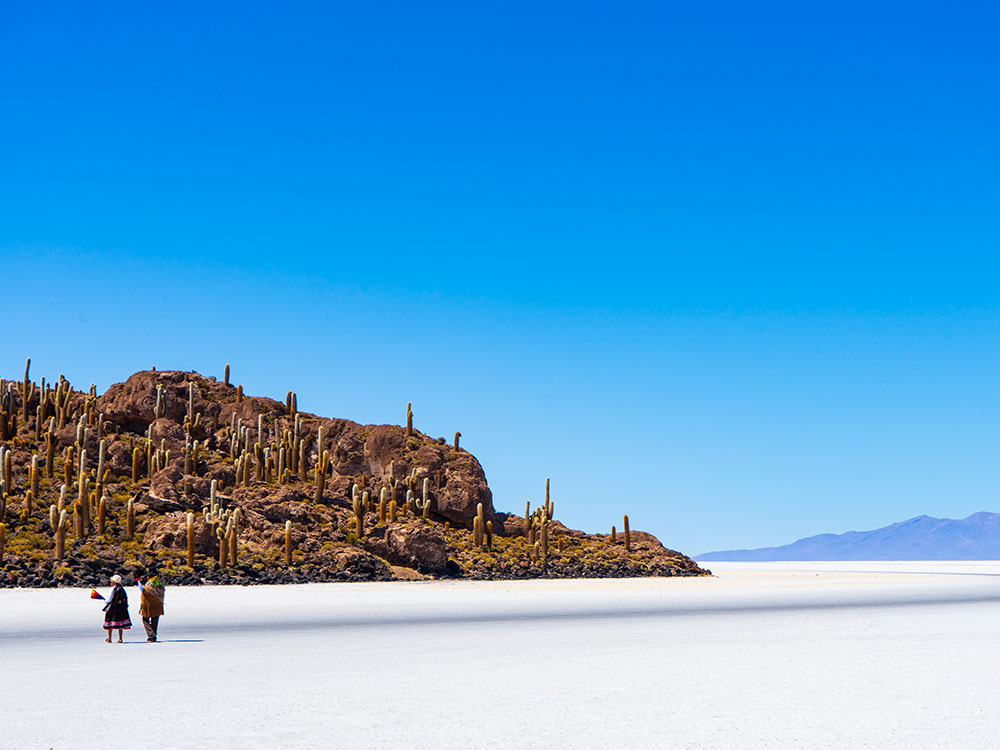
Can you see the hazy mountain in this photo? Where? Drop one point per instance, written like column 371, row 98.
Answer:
column 922, row 538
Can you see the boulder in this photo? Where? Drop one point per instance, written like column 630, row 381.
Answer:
column 417, row 545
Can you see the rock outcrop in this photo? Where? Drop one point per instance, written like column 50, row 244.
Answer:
column 302, row 497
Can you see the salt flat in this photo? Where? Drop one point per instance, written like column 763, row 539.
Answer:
column 764, row 655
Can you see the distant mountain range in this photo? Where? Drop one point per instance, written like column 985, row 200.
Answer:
column 922, row 538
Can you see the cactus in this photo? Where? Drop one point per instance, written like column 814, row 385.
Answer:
column 628, row 537
column 424, row 506
column 457, row 436
column 321, row 469
column 78, row 519
column 26, row 393
column 545, row 540
column 239, row 394
column 409, row 419
column 160, row 409
column 392, row 511
column 102, row 516
column 130, row 520
column 302, row 459
column 359, row 504
column 478, row 526
column 560, row 542
column 223, row 547
column 190, row 534
column 234, row 538
column 288, row 543
column 382, row 506
column 225, row 375
column 60, row 536
column 534, row 552
column 8, row 470
column 489, row 535
column 3, row 541
column 50, row 453
column 34, row 475
column 614, row 535
column 527, row 516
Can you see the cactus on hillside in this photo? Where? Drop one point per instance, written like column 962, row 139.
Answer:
column 359, row 504
column 288, row 543
column 628, row 537
column 60, row 536
column 130, row 520
column 102, row 516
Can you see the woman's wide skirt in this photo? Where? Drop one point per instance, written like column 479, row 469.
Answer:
column 117, row 617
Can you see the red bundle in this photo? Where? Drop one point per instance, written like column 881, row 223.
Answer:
column 95, row 595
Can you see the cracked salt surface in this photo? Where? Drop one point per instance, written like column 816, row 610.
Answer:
column 764, row 655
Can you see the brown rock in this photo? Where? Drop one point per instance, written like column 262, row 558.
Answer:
column 170, row 532
column 417, row 545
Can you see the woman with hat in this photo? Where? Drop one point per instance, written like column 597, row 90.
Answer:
column 116, row 610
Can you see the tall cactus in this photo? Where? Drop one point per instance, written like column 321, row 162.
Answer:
column 409, row 418
column 359, row 504
column 479, row 526
column 321, row 469
column 3, row 541
column 130, row 520
column 190, row 532
column 34, row 476
column 424, row 506
column 60, row 536
column 50, row 452
column 102, row 516
column 457, row 436
column 628, row 536
column 225, row 375
column 288, row 543
column 26, row 393
column 234, row 538
column 160, row 409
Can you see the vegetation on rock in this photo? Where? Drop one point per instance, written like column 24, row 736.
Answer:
column 181, row 471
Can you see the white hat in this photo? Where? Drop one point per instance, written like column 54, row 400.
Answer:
column 116, row 578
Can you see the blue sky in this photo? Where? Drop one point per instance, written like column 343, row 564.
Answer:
column 729, row 269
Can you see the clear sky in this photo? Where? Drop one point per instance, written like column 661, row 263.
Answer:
column 731, row 268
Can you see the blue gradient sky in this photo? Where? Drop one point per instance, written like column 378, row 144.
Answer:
column 731, row 269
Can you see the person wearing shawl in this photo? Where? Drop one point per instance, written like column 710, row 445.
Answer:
column 116, row 610
column 152, row 604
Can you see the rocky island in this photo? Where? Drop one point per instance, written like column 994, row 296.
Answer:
column 191, row 475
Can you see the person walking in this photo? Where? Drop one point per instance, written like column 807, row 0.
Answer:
column 116, row 610
column 151, row 606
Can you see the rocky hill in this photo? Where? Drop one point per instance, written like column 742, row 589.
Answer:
column 922, row 538
column 189, row 474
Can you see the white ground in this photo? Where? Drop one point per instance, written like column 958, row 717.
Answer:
column 765, row 655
